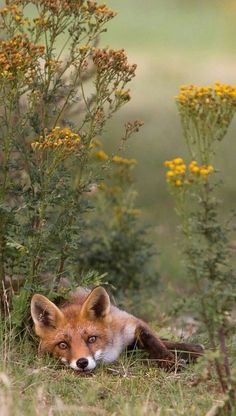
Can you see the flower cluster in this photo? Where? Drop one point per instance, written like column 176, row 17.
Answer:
column 18, row 56
column 225, row 90
column 53, row 64
column 206, row 113
column 13, row 11
column 200, row 170
column 113, row 61
column 59, row 138
column 100, row 11
column 118, row 160
column 180, row 174
column 194, row 96
column 123, row 161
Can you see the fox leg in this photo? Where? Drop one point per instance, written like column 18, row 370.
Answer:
column 156, row 349
column 169, row 355
column 187, row 351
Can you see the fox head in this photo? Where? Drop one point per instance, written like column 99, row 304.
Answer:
column 78, row 334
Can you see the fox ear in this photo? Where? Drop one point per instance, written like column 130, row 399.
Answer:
column 97, row 304
column 44, row 312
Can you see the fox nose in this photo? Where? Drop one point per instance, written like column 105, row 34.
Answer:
column 82, row 363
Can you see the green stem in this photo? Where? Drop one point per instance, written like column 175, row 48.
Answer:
column 211, row 334
column 7, row 139
column 38, row 222
column 2, row 258
column 212, row 275
column 71, row 220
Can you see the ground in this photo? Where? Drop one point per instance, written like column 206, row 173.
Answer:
column 32, row 385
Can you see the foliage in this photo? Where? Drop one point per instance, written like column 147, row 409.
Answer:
column 206, row 114
column 57, row 91
column 119, row 247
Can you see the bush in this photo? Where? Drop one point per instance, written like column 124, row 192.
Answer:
column 119, row 245
column 57, row 91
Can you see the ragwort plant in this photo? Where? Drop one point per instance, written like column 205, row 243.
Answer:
column 206, row 113
column 51, row 69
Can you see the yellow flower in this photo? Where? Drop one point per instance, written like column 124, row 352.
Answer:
column 178, row 183
column 18, row 18
column 178, row 175
column 19, row 56
column 66, row 131
column 210, row 168
column 102, row 155
column 177, row 170
column 180, row 168
column 58, row 138
column 193, row 163
column 178, row 161
column 193, row 96
column 194, row 169
column 117, row 159
column 170, row 174
column 123, row 161
column 203, row 171
column 4, row 10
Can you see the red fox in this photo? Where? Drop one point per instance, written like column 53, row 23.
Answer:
column 88, row 329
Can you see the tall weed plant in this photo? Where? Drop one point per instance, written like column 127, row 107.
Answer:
column 206, row 113
column 57, row 91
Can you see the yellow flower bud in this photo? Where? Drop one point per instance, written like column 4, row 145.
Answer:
column 178, row 183
column 178, row 161
column 116, row 159
column 18, row 18
column 204, row 171
column 102, row 155
column 180, row 169
column 170, row 174
column 194, row 169
column 210, row 168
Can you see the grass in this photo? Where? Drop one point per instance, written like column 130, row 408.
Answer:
column 31, row 385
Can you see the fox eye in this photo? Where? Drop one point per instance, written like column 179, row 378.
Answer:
column 92, row 339
column 63, row 345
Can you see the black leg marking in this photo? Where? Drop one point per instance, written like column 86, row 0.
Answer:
column 155, row 348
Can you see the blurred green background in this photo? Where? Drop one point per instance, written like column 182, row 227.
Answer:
column 173, row 42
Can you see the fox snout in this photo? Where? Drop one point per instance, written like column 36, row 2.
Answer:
column 82, row 364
